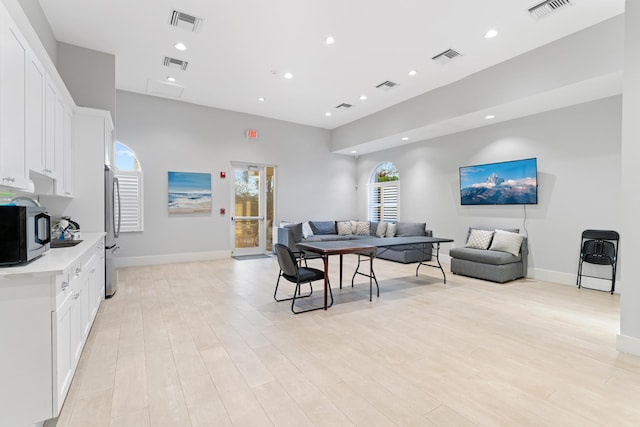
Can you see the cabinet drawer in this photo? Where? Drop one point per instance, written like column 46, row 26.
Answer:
column 62, row 288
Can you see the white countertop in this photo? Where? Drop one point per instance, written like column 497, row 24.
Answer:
column 52, row 262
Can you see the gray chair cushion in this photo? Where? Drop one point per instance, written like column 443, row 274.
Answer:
column 484, row 256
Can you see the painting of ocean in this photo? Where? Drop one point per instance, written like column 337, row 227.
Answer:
column 189, row 192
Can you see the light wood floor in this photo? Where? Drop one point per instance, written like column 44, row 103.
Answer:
column 205, row 344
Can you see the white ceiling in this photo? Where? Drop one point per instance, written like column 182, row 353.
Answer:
column 244, row 47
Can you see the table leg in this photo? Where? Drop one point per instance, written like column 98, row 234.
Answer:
column 325, row 259
column 341, row 271
column 444, row 276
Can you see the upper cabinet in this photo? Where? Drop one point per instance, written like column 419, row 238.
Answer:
column 14, row 53
column 36, row 112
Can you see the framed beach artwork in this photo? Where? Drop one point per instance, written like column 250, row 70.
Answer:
column 189, row 192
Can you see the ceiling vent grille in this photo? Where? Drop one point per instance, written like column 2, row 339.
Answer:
column 548, row 7
column 344, row 106
column 388, row 85
column 175, row 63
column 184, row 20
column 446, row 56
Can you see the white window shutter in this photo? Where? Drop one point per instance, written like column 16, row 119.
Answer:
column 382, row 201
column 131, row 200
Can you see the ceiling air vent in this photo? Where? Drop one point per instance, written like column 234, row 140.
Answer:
column 175, row 63
column 446, row 56
column 184, row 20
column 548, row 7
column 344, row 106
column 387, row 85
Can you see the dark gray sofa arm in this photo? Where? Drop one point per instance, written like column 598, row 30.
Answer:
column 285, row 237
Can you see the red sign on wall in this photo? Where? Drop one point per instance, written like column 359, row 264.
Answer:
column 252, row 134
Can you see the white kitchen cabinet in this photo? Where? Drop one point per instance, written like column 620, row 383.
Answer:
column 64, row 159
column 35, row 119
column 50, row 132
column 47, row 308
column 13, row 69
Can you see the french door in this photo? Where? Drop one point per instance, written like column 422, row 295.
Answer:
column 252, row 209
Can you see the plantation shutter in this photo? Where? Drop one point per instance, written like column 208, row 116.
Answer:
column 130, row 201
column 382, row 203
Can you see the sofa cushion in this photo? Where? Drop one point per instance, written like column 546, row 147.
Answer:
column 306, row 230
column 479, row 239
column 484, row 256
column 344, row 228
column 381, row 229
column 391, row 230
column 323, row 227
column 360, row 227
column 410, row 229
column 506, row 241
column 296, row 229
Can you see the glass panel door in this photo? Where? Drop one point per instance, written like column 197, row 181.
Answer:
column 253, row 206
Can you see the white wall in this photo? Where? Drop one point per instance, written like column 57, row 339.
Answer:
column 167, row 136
column 578, row 151
column 38, row 20
column 629, row 337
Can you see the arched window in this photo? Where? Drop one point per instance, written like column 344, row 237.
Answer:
column 129, row 173
column 383, row 193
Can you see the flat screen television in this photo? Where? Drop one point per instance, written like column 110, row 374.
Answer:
column 504, row 183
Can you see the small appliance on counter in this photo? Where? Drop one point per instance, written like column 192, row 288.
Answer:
column 25, row 231
column 65, row 233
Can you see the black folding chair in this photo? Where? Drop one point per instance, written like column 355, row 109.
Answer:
column 599, row 247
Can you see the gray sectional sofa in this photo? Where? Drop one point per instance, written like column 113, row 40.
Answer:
column 492, row 263
column 317, row 231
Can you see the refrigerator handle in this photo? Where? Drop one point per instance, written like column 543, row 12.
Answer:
column 116, row 184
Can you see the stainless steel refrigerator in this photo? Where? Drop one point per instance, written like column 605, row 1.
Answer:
column 112, row 218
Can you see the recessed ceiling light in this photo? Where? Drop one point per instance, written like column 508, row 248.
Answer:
column 413, row 73
column 328, row 114
column 171, row 79
column 180, row 46
column 363, row 97
column 353, row 151
column 491, row 34
column 329, row 40
column 490, row 116
column 288, row 75
column 261, row 99
column 405, row 138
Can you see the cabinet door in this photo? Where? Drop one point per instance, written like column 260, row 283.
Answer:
column 13, row 66
column 36, row 83
column 50, row 129
column 64, row 182
column 62, row 321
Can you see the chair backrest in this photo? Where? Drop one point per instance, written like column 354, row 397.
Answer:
column 286, row 260
column 599, row 244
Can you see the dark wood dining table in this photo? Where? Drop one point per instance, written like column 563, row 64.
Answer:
column 338, row 247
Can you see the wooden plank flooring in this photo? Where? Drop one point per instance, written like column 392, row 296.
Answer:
column 205, row 344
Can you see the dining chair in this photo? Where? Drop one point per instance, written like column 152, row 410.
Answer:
column 295, row 273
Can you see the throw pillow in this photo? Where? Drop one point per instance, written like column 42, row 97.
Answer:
column 323, row 227
column 382, row 229
column 391, row 230
column 296, row 229
column 360, row 227
column 479, row 239
column 506, row 241
column 344, row 228
column 306, row 230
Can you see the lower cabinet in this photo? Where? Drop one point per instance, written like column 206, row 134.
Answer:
column 44, row 323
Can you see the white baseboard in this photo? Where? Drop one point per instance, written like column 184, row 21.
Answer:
column 627, row 344
column 570, row 279
column 137, row 261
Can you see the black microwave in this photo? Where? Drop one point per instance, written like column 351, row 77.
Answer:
column 25, row 233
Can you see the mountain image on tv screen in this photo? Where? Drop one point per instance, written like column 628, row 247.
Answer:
column 505, row 183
